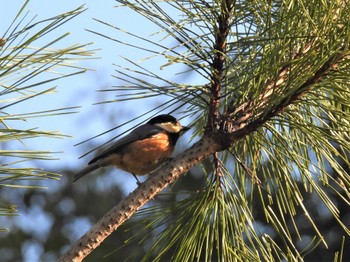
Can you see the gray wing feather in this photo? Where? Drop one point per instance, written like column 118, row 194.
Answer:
column 138, row 133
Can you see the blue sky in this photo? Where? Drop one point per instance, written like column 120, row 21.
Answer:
column 80, row 90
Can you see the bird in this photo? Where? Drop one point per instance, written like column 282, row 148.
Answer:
column 143, row 150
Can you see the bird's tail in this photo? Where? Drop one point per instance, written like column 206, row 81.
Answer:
column 86, row 170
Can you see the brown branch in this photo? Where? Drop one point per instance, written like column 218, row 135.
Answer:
column 235, row 124
column 217, row 165
column 218, row 64
column 146, row 191
column 218, row 71
column 209, row 144
column 254, row 113
column 140, row 196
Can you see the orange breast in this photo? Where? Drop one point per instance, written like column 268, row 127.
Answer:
column 143, row 156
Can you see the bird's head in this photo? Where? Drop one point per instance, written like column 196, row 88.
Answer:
column 169, row 123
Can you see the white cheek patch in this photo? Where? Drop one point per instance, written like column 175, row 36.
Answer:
column 171, row 128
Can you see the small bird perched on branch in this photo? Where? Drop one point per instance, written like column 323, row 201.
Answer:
column 142, row 150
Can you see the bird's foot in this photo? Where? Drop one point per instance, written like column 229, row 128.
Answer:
column 137, row 180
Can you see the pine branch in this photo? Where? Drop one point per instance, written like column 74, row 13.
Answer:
column 223, row 131
column 255, row 111
column 218, row 64
column 30, row 61
column 139, row 197
column 208, row 145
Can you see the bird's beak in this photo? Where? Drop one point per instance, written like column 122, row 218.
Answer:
column 184, row 129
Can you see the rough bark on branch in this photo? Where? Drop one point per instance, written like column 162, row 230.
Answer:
column 140, row 196
column 236, row 122
column 171, row 171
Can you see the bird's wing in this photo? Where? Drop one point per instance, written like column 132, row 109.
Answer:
column 138, row 133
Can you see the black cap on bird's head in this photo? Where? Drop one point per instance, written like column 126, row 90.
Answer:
column 168, row 123
column 162, row 119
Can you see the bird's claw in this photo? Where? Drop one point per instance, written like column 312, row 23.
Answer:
column 137, row 180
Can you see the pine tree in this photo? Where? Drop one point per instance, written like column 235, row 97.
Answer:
column 271, row 118
column 30, row 64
